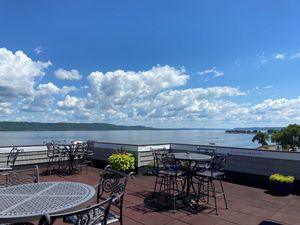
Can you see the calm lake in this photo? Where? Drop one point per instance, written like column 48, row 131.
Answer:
column 219, row 137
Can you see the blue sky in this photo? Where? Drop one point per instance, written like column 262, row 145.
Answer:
column 219, row 64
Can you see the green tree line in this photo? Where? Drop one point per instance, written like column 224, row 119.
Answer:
column 33, row 126
column 288, row 137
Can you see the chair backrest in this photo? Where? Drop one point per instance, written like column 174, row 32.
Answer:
column 90, row 147
column 207, row 150
column 95, row 214
column 166, row 161
column 53, row 149
column 12, row 156
column 80, row 149
column 16, row 177
column 113, row 182
column 156, row 158
column 218, row 163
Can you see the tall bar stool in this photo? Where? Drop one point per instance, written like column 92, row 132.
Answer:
column 167, row 178
column 208, row 177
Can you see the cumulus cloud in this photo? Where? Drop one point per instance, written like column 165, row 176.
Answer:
column 44, row 97
column 69, row 102
column 18, row 74
column 121, row 87
column 67, row 75
column 5, row 108
column 155, row 97
column 279, row 56
column 213, row 71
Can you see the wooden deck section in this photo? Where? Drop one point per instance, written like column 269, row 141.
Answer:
column 247, row 205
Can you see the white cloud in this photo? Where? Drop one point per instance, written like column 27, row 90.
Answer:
column 18, row 74
column 5, row 108
column 297, row 55
column 44, row 97
column 213, row 71
column 154, row 97
column 67, row 75
column 121, row 87
column 279, row 56
column 38, row 50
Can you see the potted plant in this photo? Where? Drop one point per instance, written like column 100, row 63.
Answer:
column 122, row 161
column 280, row 184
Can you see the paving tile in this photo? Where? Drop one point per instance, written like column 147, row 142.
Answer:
column 258, row 211
column 247, row 205
column 200, row 219
column 286, row 218
column 240, row 218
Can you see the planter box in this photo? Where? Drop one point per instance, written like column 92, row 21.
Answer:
column 281, row 189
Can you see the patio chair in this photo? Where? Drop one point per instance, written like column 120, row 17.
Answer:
column 168, row 174
column 113, row 182
column 95, row 214
column 17, row 177
column 11, row 159
column 89, row 153
column 207, row 179
column 55, row 157
column 84, row 153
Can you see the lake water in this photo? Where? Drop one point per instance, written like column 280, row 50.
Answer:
column 219, row 137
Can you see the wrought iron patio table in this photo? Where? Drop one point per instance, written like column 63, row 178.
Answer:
column 189, row 158
column 28, row 202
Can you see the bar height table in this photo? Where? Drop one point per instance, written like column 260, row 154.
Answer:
column 28, row 202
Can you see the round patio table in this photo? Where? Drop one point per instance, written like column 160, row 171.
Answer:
column 28, row 202
column 189, row 158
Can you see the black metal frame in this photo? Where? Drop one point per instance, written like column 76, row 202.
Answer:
column 16, row 177
column 55, row 156
column 12, row 158
column 113, row 182
column 168, row 174
column 95, row 214
column 207, row 178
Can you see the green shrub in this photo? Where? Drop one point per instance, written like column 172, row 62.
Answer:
column 121, row 161
column 278, row 178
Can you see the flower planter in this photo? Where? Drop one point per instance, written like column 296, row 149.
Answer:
column 281, row 185
column 281, row 189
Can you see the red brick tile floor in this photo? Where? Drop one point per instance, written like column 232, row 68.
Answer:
column 247, row 205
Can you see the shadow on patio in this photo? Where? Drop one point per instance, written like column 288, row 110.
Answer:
column 247, row 205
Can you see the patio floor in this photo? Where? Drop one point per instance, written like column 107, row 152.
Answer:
column 247, row 205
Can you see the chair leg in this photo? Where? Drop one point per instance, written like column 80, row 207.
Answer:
column 223, row 193
column 155, row 186
column 175, row 190
column 214, row 194
column 159, row 191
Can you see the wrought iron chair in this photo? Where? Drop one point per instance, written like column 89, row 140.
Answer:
column 85, row 152
column 92, row 215
column 11, row 159
column 16, row 177
column 55, row 157
column 113, row 182
column 211, row 151
column 89, row 153
column 168, row 175
column 208, row 177
column 157, row 165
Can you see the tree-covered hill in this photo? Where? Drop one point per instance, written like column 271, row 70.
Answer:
column 33, row 126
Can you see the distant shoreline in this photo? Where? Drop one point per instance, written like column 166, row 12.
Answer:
column 36, row 126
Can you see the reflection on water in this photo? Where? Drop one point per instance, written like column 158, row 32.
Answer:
column 219, row 137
